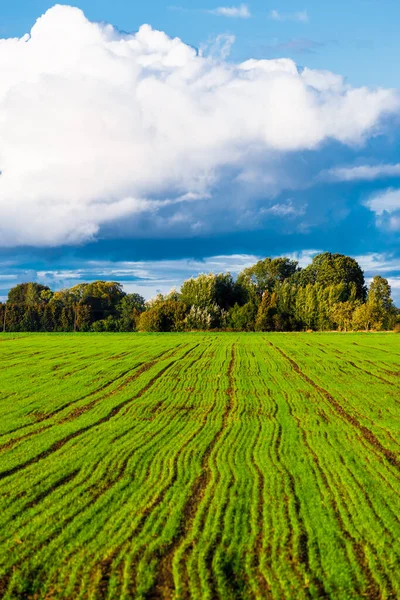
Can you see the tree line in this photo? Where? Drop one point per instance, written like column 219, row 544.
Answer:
column 275, row 294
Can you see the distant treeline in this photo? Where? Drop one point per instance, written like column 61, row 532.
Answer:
column 272, row 295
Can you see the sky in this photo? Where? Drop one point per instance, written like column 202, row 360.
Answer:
column 149, row 142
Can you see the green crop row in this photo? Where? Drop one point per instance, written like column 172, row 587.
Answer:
column 199, row 466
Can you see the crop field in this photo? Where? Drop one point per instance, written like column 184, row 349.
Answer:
column 199, row 466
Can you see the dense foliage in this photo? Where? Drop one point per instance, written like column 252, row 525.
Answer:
column 272, row 295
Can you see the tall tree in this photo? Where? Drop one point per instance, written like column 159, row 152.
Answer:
column 130, row 308
column 27, row 293
column 206, row 290
column 266, row 274
column 3, row 316
column 380, row 303
column 266, row 312
column 330, row 269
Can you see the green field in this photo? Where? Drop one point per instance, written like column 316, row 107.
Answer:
column 200, row 466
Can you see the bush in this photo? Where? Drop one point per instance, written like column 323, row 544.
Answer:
column 164, row 315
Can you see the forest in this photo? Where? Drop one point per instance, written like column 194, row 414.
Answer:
column 275, row 294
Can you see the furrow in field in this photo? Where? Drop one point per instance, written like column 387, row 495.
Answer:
column 89, row 504
column 160, row 495
column 14, row 441
column 245, row 529
column 303, row 540
column 102, row 572
column 117, row 409
column 156, row 502
column 350, row 504
column 367, row 434
column 369, row 373
column 306, row 413
column 236, row 475
column 115, row 438
column 163, row 586
column 300, row 552
column 290, row 548
column 138, row 368
column 375, row 348
column 259, row 536
column 61, row 482
column 266, row 581
column 358, row 550
column 393, row 486
column 5, row 583
column 77, row 412
column 373, row 587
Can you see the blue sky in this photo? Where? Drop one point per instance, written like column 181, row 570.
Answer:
column 139, row 159
column 356, row 38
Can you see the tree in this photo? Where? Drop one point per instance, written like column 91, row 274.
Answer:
column 103, row 297
column 266, row 312
column 362, row 318
column 46, row 318
column 311, row 307
column 203, row 319
column 342, row 315
column 380, row 304
column 3, row 316
column 14, row 316
column 266, row 274
column 46, row 296
column 30, row 320
column 130, row 308
column 228, row 292
column 83, row 317
column 163, row 315
column 330, row 269
column 286, row 293
column 243, row 318
column 33, row 294
column 67, row 320
column 27, row 293
column 206, row 291
column 109, row 325
column 272, row 295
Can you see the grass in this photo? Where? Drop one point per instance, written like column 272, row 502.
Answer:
column 199, row 466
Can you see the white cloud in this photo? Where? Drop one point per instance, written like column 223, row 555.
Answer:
column 394, row 283
column 300, row 15
column 284, row 209
column 238, row 12
column 361, row 173
column 386, row 206
column 378, row 264
column 386, row 201
column 97, row 126
column 217, row 48
column 303, row 257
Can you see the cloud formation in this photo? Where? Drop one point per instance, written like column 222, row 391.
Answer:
column 387, row 201
column 301, row 16
column 99, row 127
column 361, row 173
column 236, row 12
column 386, row 206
